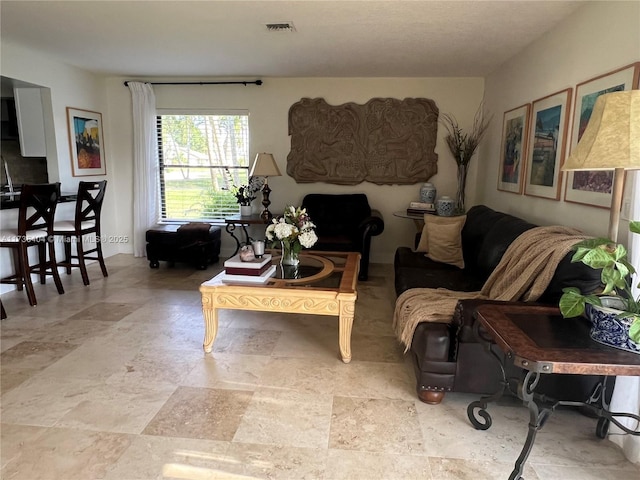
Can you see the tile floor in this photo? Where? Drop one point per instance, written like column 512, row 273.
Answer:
column 110, row 382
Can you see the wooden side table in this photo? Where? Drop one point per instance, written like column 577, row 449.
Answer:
column 243, row 222
column 538, row 340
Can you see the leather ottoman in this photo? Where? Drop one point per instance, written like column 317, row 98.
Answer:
column 194, row 243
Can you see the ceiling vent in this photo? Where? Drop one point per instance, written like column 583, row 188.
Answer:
column 280, row 27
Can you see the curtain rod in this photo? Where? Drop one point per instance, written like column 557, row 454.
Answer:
column 256, row 82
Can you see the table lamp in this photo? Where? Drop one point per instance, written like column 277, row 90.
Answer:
column 265, row 166
column 611, row 141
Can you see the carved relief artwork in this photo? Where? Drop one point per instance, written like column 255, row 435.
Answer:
column 385, row 141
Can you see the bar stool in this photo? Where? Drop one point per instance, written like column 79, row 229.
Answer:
column 35, row 228
column 86, row 222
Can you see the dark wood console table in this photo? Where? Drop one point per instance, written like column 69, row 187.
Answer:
column 243, row 222
column 538, row 340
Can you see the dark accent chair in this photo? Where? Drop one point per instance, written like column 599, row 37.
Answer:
column 448, row 357
column 344, row 223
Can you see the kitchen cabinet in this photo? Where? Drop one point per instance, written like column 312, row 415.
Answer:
column 30, row 117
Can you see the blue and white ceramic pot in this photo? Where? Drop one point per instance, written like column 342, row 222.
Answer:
column 428, row 193
column 445, row 206
column 607, row 328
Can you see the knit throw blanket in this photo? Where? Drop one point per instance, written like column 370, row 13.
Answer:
column 523, row 274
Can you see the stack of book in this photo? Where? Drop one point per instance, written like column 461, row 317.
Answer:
column 257, row 271
column 420, row 208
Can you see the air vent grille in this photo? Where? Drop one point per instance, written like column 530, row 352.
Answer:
column 280, row 27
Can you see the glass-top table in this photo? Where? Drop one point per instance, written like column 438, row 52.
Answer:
column 324, row 283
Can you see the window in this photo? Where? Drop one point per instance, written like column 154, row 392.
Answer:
column 200, row 156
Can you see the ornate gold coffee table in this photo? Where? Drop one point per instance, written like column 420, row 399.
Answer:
column 323, row 284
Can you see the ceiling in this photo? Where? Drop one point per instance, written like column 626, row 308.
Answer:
column 359, row 38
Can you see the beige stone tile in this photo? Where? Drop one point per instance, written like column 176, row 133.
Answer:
column 121, row 406
column 356, row 465
column 43, row 400
column 168, row 314
column 106, row 311
column 150, row 457
column 309, row 341
column 227, row 370
column 34, row 355
column 568, row 437
column 246, row 341
column 375, row 425
column 302, row 374
column 96, row 359
column 10, row 337
column 11, row 378
column 374, row 348
column 138, row 295
column 375, row 380
column 286, row 418
column 447, row 431
column 278, row 462
column 71, row 331
column 13, row 438
column 206, row 413
column 164, row 365
column 460, row 469
column 66, row 454
column 585, row 472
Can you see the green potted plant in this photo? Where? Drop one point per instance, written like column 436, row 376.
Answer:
column 615, row 308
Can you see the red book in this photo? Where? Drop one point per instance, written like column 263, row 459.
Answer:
column 255, row 272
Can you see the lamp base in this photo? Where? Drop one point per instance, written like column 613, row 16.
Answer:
column 266, row 215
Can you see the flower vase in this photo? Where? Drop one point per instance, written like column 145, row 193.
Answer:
column 245, row 210
column 289, row 255
column 462, row 182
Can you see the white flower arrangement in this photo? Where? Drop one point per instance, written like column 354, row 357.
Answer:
column 294, row 229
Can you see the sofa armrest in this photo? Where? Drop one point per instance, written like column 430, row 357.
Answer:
column 372, row 225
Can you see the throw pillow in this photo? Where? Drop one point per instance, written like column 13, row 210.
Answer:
column 444, row 239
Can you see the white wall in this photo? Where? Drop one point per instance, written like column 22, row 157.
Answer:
column 600, row 37
column 68, row 87
column 268, row 123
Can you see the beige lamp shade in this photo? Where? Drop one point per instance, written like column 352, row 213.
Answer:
column 264, row 166
column 612, row 137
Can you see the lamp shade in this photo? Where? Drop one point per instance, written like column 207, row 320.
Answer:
column 264, row 166
column 612, row 137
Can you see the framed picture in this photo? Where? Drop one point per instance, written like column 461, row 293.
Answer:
column 515, row 131
column 594, row 187
column 86, row 142
column 546, row 145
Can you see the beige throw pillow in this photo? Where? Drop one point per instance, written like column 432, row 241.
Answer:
column 443, row 239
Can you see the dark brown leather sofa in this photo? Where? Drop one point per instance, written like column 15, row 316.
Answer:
column 448, row 357
column 344, row 223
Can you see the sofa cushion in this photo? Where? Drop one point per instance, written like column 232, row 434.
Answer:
column 415, row 270
column 444, row 243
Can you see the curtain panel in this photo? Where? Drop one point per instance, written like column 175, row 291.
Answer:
column 145, row 164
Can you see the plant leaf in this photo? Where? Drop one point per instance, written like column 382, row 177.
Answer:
column 634, row 331
column 571, row 303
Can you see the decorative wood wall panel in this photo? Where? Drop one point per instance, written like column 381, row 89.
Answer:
column 385, row 141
